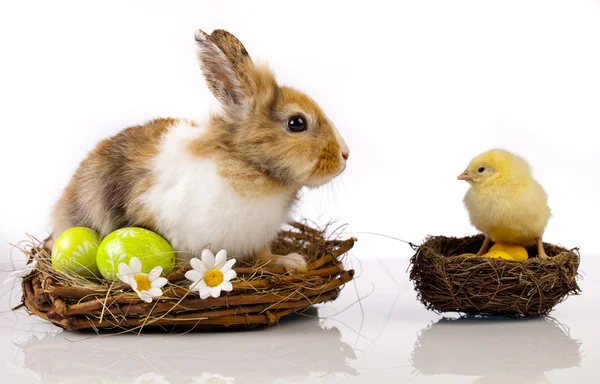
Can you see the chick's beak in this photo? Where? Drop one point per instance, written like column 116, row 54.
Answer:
column 465, row 176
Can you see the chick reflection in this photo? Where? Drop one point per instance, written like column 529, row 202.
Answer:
column 497, row 350
column 296, row 349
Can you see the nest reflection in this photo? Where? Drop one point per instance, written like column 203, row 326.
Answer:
column 298, row 348
column 497, row 349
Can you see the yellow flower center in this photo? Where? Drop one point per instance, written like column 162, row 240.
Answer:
column 213, row 277
column 143, row 282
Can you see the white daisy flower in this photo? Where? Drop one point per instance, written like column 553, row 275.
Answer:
column 211, row 275
column 146, row 285
column 213, row 378
column 21, row 273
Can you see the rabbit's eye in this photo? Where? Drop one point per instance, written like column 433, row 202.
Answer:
column 297, row 124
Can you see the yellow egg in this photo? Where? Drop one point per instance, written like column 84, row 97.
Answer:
column 517, row 252
column 499, row 254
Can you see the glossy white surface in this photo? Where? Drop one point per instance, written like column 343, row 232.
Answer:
column 416, row 88
column 387, row 337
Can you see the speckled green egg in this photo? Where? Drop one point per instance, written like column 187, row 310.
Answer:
column 75, row 251
column 123, row 244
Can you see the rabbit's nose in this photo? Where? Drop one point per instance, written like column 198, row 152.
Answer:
column 345, row 155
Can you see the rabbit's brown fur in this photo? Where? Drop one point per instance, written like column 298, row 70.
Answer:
column 102, row 193
column 158, row 175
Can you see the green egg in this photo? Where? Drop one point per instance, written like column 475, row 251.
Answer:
column 75, row 251
column 123, row 244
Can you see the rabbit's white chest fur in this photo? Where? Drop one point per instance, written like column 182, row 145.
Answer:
column 195, row 207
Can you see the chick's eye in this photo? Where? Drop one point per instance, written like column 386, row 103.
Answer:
column 297, row 124
column 481, row 169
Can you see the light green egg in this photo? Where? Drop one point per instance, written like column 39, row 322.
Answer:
column 123, row 244
column 75, row 251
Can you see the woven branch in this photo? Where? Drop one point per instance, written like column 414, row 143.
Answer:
column 448, row 282
column 261, row 295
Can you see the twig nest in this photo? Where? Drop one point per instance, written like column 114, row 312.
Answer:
column 260, row 295
column 448, row 280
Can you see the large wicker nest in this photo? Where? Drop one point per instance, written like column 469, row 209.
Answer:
column 447, row 282
column 260, row 296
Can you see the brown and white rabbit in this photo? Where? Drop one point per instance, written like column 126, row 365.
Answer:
column 228, row 183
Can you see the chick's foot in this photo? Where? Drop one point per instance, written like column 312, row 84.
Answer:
column 540, row 247
column 485, row 247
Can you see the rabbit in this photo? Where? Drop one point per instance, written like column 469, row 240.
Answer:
column 227, row 183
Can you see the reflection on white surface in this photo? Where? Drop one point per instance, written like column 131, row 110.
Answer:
column 495, row 349
column 387, row 337
column 150, row 378
column 213, row 378
column 284, row 352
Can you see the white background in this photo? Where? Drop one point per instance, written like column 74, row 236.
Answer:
column 417, row 88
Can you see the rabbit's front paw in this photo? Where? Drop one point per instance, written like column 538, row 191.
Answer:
column 293, row 261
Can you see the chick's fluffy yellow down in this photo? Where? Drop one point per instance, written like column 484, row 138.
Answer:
column 513, row 213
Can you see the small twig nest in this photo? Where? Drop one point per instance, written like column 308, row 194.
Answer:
column 260, row 296
column 448, row 282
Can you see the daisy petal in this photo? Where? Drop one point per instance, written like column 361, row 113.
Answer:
column 194, row 275
column 227, row 265
column 15, row 273
column 125, row 270
column 131, row 281
column 226, row 286
column 198, row 285
column 208, row 259
column 144, row 296
column 229, row 275
column 205, row 292
column 159, row 283
column 198, row 265
column 155, row 273
column 216, row 292
column 136, row 265
column 154, row 292
column 221, row 258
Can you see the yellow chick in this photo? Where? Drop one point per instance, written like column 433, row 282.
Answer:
column 504, row 201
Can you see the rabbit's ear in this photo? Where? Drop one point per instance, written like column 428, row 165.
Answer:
column 226, row 66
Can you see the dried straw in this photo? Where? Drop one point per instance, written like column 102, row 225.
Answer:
column 447, row 282
column 261, row 295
